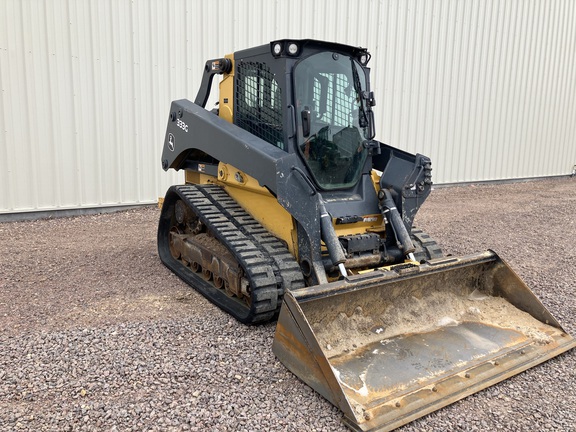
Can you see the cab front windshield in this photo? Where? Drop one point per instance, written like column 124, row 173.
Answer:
column 332, row 118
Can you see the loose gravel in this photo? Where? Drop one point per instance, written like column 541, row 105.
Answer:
column 96, row 334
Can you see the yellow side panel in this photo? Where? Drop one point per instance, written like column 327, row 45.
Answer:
column 226, row 102
column 195, row 177
column 261, row 205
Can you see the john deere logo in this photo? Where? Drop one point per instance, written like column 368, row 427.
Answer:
column 171, row 142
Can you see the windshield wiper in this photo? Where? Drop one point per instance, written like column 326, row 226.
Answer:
column 367, row 119
column 363, row 120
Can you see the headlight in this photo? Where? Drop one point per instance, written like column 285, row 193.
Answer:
column 364, row 58
column 293, row 49
column 277, row 49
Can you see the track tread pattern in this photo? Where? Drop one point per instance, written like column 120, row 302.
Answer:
column 426, row 247
column 268, row 265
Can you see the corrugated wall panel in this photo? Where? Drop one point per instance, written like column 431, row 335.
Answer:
column 486, row 88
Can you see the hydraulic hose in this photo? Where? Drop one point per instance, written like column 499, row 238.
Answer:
column 389, row 211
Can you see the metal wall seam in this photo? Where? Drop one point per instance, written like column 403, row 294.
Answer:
column 5, row 171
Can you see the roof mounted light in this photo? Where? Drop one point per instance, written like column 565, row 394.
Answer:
column 364, row 58
column 277, row 49
column 285, row 47
column 292, row 48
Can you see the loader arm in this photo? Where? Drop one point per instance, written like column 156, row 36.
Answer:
column 195, row 129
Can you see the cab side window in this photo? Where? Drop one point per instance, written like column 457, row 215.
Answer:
column 258, row 103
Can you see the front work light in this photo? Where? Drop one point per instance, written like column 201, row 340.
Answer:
column 293, row 49
column 277, row 49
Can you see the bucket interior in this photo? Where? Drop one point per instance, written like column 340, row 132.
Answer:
column 403, row 347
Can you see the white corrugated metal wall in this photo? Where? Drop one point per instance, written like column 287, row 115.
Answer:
column 486, row 88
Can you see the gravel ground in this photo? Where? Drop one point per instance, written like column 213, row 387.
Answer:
column 96, row 334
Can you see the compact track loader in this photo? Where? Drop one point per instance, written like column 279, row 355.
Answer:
column 292, row 211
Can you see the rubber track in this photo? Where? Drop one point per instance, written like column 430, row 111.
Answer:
column 268, row 265
column 426, row 246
